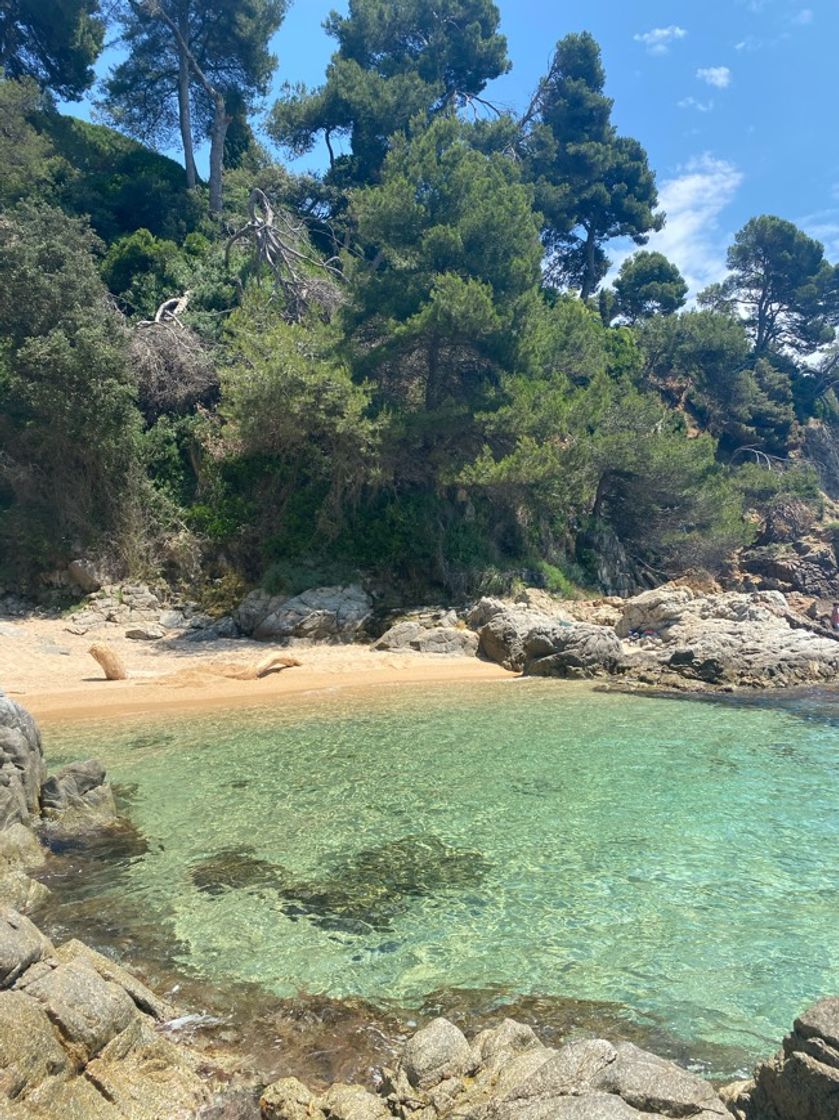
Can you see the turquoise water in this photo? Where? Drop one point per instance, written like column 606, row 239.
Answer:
column 679, row 858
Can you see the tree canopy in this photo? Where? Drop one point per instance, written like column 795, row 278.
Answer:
column 56, row 42
column 394, row 61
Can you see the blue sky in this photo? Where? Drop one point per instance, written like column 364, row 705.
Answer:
column 734, row 100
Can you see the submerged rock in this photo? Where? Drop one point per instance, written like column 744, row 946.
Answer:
column 369, row 889
column 236, row 869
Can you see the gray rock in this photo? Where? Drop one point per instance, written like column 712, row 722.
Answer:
column 22, row 767
column 592, row 1106
column 142, row 997
column 440, row 639
column 145, row 633
column 172, row 620
column 652, row 1084
column 21, row 945
column 575, row 650
column 322, row 614
column 256, row 607
column 437, row 1051
column 84, row 575
column 79, row 797
column 802, row 1081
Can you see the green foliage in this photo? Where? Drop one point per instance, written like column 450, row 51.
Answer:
column 591, row 184
column 56, row 42
column 703, row 359
column 395, row 61
column 120, row 185
column 144, row 270
column 648, row 284
column 444, row 308
column 68, row 424
column 28, row 164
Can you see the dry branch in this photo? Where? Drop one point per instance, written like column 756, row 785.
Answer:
column 280, row 244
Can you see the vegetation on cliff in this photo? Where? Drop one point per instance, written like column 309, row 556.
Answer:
column 411, row 364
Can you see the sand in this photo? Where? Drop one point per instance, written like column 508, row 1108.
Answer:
column 50, row 672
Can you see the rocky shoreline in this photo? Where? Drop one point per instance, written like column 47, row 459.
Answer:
column 678, row 636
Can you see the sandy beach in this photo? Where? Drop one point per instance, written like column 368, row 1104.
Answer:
column 50, row 671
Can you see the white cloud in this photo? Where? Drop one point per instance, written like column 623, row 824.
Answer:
column 717, row 76
column 804, row 17
column 694, row 200
column 693, row 103
column 659, row 40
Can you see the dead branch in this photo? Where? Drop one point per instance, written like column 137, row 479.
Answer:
column 280, row 244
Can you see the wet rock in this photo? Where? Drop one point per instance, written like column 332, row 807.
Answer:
column 321, row 614
column 449, row 640
column 21, row 945
column 289, row 1099
column 436, row 1052
column 353, row 1102
column 236, row 869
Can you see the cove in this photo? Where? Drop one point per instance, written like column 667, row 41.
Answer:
column 540, row 840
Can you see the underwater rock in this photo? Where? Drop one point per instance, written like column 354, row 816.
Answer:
column 369, row 889
column 236, row 869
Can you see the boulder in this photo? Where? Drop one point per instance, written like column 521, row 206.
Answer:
column 30, row 1047
column 652, row 1084
column 563, row 650
column 330, row 614
column 256, row 607
column 449, row 640
column 289, row 1099
column 438, row 1051
column 79, row 798
column 142, row 997
column 145, row 633
column 802, row 1081
column 22, row 768
column 21, row 945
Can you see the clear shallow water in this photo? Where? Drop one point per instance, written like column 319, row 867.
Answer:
column 675, row 857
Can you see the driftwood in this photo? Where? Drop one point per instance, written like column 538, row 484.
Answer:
column 273, row 663
column 110, row 661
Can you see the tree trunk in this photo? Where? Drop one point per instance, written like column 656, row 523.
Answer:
column 184, row 112
column 587, row 286
column 221, row 121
